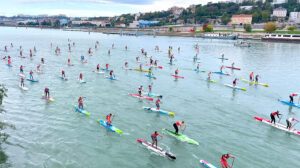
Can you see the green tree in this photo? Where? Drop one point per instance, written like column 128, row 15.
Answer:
column 270, row 27
column 292, row 28
column 225, row 19
column 248, row 27
column 207, row 28
column 265, row 16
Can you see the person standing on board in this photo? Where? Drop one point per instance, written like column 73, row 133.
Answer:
column 251, row 76
column 292, row 95
column 111, row 74
column 289, row 122
column 108, row 119
column 47, row 93
column 154, row 138
column 209, row 76
column 234, row 82
column 273, row 114
column 256, row 78
column 140, row 89
column 80, row 102
column 232, row 65
column 157, row 103
column 221, row 68
column 63, row 75
column 177, row 125
column 223, row 160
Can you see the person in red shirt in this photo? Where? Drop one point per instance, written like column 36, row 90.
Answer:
column 80, row 102
column 154, row 138
column 108, row 119
column 177, row 125
column 251, row 76
column 157, row 103
column 106, row 66
column 224, row 159
column 292, row 95
column 273, row 114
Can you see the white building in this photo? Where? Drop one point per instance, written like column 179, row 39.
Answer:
column 134, row 24
column 279, row 1
column 101, row 23
column 176, row 11
column 294, row 17
column 280, row 12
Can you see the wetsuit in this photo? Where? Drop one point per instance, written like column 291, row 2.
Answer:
column 47, row 94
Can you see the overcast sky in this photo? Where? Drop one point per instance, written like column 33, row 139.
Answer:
column 89, row 7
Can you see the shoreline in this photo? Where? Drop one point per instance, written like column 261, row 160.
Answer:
column 158, row 31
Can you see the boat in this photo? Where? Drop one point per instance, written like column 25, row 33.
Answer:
column 289, row 103
column 158, row 150
column 234, row 68
column 221, row 73
column 32, row 80
column 180, row 136
column 81, row 111
column 140, row 97
column 235, row 87
column 110, row 127
column 154, row 95
column 277, row 125
column 281, row 38
column 169, row 113
column 222, row 36
column 242, row 44
column 255, row 83
column 207, row 164
column 176, row 76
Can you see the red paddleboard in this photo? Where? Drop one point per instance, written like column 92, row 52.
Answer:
column 176, row 76
column 235, row 68
column 140, row 97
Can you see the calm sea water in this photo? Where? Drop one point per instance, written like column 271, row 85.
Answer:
column 220, row 119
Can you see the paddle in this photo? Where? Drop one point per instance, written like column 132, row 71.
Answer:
column 232, row 162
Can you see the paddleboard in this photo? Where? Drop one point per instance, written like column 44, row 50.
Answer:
column 235, row 87
column 110, row 127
